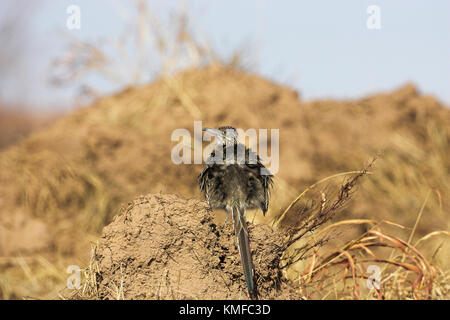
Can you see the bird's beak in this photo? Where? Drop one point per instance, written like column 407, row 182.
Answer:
column 212, row 131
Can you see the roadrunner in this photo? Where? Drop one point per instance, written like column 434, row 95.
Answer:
column 235, row 180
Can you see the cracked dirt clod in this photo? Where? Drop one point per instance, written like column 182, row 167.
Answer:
column 166, row 247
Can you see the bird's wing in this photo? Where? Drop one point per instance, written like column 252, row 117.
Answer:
column 266, row 180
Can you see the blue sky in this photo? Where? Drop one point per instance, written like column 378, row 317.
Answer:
column 322, row 48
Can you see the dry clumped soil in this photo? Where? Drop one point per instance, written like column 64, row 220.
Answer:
column 165, row 247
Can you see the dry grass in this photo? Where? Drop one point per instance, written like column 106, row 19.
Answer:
column 344, row 273
column 374, row 265
column 21, row 276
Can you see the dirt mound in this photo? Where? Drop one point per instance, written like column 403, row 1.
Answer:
column 165, row 247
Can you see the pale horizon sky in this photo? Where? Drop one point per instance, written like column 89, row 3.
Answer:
column 321, row 48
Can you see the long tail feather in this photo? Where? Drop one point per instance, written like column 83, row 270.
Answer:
column 241, row 232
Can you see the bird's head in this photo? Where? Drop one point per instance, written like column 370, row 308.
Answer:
column 226, row 134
